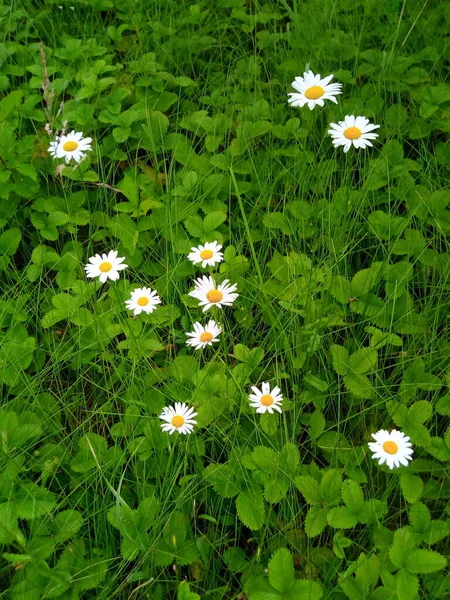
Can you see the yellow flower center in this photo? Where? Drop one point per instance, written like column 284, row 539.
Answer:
column 70, row 146
column 214, row 296
column 143, row 301
column 205, row 254
column 314, row 92
column 266, row 400
column 178, row 421
column 105, row 267
column 206, row 336
column 390, row 447
column 352, row 133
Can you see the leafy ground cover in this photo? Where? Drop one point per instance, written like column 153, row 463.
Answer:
column 341, row 262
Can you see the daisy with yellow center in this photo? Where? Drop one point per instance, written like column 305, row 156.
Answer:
column 353, row 131
column 266, row 400
column 143, row 300
column 204, row 335
column 69, row 146
column 208, row 255
column 211, row 294
column 393, row 448
column 312, row 90
column 178, row 418
column 106, row 266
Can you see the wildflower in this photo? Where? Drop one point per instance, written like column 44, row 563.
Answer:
column 353, row 131
column 143, row 300
column 266, row 400
column 313, row 90
column 72, row 145
column 210, row 294
column 208, row 255
column 179, row 418
column 392, row 448
column 204, row 336
column 106, row 266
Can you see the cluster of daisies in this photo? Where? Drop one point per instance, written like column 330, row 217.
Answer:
column 180, row 418
column 391, row 448
column 312, row 90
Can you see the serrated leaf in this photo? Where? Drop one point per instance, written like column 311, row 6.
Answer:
column 281, row 570
column 363, row 360
column 9, row 241
column 340, row 358
column 407, row 585
column 250, row 508
column 310, row 488
column 341, row 517
column 353, row 497
column 411, row 486
column 425, row 561
column 316, row 520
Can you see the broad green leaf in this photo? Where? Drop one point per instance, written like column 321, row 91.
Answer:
column 353, row 497
column 281, row 570
column 316, row 520
column 402, row 547
column 407, row 585
column 341, row 518
column 305, row 589
column 310, row 489
column 330, row 486
column 250, row 508
column 412, row 486
column 363, row 360
column 425, row 561
column 9, row 241
column 340, row 357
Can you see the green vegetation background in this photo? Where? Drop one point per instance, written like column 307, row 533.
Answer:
column 342, row 264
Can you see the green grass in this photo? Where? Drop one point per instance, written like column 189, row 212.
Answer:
column 332, row 253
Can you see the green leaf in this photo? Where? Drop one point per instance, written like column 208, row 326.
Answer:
column 66, row 524
column 425, row 561
column 411, row 486
column 364, row 281
column 330, row 486
column 316, row 520
column 305, row 589
column 341, row 518
column 407, row 585
column 8, row 104
column 402, row 547
column 250, row 508
column 310, row 489
column 281, row 570
column 363, row 360
column 340, row 357
column 9, row 241
column 359, row 385
column 213, row 220
column 353, row 497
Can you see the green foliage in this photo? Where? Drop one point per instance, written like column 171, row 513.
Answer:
column 341, row 262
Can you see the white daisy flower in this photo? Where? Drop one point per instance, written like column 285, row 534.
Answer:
column 204, row 336
column 392, row 448
column 143, row 300
column 72, row 145
column 211, row 295
column 208, row 254
column 266, row 400
column 353, row 131
column 313, row 90
column 179, row 418
column 106, row 266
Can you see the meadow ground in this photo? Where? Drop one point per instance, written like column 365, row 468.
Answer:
column 341, row 263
